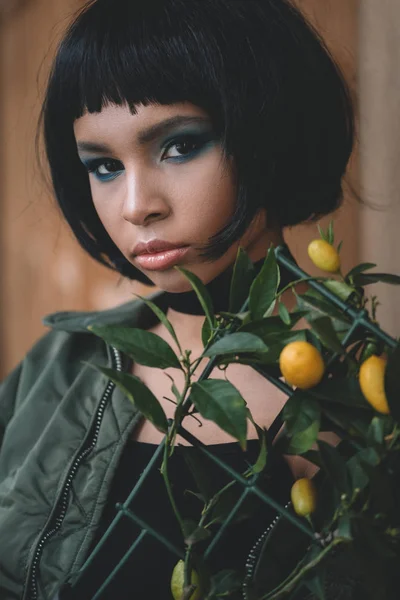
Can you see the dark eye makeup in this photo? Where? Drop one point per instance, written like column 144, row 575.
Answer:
column 187, row 145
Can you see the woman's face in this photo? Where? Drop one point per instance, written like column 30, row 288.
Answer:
column 161, row 189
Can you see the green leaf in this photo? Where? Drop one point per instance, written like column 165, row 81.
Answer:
column 243, row 275
column 322, row 233
column 279, row 340
column 144, row 347
column 194, row 533
column 302, row 441
column 272, row 325
column 269, row 357
column 353, row 420
column 392, row 383
column 339, row 288
column 366, row 279
column 261, row 461
column 316, row 302
column 335, row 466
column 174, row 389
column 284, row 313
column 219, row 401
column 312, row 338
column 344, row 527
column 356, row 467
column 300, row 411
column 270, row 310
column 239, row 318
column 264, row 287
column 323, row 328
column 188, row 526
column 376, row 431
column 283, row 446
column 262, row 434
column 330, row 233
column 162, row 317
column 339, row 246
column 206, row 332
column 342, row 391
column 201, row 293
column 237, row 343
column 370, row 348
column 140, row 396
column 359, row 269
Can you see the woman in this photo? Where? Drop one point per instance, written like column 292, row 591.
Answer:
column 176, row 131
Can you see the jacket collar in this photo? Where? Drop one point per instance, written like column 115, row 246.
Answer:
column 132, row 314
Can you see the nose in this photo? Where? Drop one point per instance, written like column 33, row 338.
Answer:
column 144, row 200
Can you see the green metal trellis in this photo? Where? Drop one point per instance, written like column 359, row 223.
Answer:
column 358, row 318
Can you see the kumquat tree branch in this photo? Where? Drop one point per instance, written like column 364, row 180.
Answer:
column 339, row 371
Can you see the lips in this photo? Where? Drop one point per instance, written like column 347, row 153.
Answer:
column 155, row 246
column 158, row 255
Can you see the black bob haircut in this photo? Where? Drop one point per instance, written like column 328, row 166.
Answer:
column 272, row 91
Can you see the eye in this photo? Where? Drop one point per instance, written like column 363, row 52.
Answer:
column 186, row 146
column 104, row 169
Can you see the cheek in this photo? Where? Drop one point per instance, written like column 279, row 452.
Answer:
column 103, row 207
column 209, row 202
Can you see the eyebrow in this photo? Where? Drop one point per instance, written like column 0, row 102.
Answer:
column 147, row 135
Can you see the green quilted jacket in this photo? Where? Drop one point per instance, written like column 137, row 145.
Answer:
column 63, row 427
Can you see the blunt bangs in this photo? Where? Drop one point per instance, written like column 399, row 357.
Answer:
column 274, row 95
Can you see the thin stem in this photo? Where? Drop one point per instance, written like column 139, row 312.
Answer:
column 187, row 568
column 170, row 441
column 170, row 400
column 196, row 363
column 177, row 422
column 164, row 472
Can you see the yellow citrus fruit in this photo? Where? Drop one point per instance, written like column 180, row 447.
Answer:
column 177, row 581
column 372, row 383
column 324, row 256
column 301, row 364
column 304, row 497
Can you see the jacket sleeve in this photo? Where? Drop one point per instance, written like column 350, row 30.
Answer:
column 17, row 385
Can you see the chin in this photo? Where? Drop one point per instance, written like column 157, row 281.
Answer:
column 175, row 288
column 173, row 282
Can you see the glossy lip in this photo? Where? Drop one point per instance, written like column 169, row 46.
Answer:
column 160, row 261
column 154, row 246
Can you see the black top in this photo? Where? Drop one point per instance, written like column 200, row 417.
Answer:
column 147, row 572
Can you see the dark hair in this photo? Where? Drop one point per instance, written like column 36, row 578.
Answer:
column 274, row 94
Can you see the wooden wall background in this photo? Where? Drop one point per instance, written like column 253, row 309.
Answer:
column 42, row 269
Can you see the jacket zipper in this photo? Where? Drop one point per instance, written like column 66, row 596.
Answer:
column 254, row 554
column 62, row 501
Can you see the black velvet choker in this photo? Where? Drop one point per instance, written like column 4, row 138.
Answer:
column 218, row 288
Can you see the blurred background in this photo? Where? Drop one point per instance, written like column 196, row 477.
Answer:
column 42, row 268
